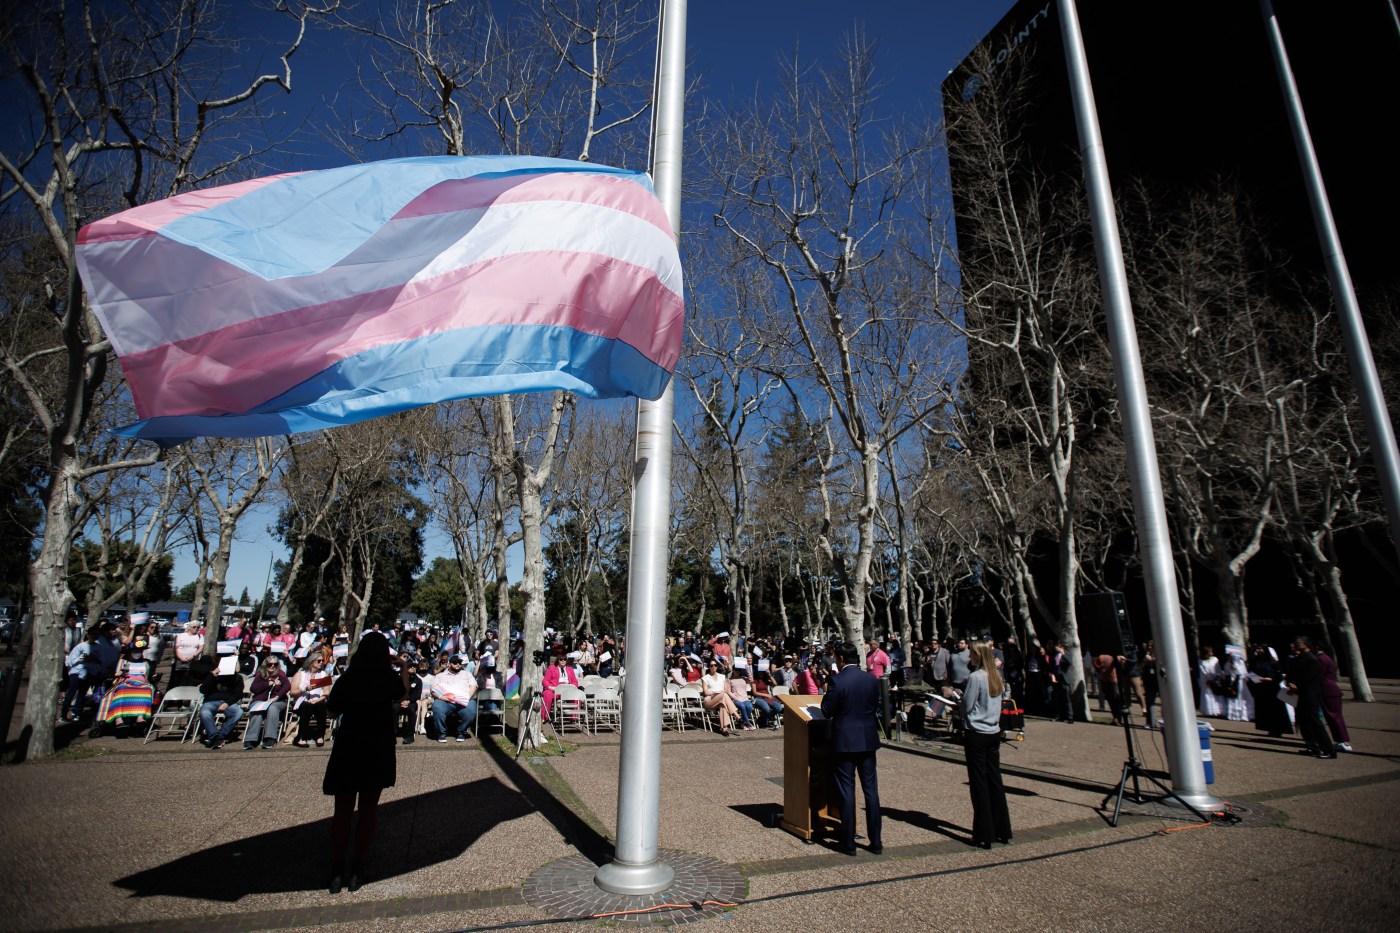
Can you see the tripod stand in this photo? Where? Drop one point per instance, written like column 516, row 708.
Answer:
column 1134, row 769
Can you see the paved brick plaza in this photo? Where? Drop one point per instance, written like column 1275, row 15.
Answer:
column 168, row 837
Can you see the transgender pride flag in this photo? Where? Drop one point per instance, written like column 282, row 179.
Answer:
column 303, row 301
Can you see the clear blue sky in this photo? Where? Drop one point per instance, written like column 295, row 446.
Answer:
column 733, row 45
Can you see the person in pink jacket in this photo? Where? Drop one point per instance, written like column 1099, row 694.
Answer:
column 557, row 673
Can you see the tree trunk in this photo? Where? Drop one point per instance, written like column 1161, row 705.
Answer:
column 284, row 611
column 1068, row 623
column 218, row 580
column 1230, row 589
column 501, row 541
column 48, row 581
column 1350, row 649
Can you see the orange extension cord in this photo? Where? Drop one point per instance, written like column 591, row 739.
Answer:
column 1224, row 813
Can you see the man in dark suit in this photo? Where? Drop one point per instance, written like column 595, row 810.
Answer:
column 1305, row 681
column 851, row 703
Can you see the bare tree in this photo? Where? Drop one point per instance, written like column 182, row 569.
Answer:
column 130, row 521
column 1213, row 370
column 230, row 476
column 1319, row 488
column 590, row 512
column 463, row 492
column 126, row 102
column 1038, row 362
column 558, row 79
column 309, row 487
column 723, row 371
column 813, row 194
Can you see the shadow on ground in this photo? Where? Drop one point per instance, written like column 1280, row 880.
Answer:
column 414, row 832
column 928, row 823
column 765, row 814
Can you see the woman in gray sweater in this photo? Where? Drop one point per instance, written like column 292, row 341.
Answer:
column 981, row 705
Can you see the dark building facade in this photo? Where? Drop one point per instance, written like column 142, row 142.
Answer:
column 1187, row 94
column 1188, row 98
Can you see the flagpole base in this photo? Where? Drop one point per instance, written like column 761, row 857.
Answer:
column 1201, row 801
column 629, row 879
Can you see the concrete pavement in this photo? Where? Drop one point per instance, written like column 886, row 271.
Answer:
column 170, row 837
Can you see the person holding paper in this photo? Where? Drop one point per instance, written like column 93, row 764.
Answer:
column 269, row 703
column 222, row 689
column 454, row 694
column 738, row 689
column 308, row 693
column 557, row 673
column 851, row 703
column 1264, row 677
column 286, row 639
column 305, row 641
column 489, row 678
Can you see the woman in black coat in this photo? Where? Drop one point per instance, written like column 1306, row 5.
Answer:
column 361, row 765
column 1270, row 713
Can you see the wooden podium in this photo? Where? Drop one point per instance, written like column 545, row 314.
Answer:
column 810, row 807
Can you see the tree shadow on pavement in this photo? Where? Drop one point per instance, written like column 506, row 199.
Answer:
column 414, row 832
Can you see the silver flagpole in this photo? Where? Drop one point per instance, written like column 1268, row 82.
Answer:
column 1363, row 367
column 636, row 868
column 1173, row 666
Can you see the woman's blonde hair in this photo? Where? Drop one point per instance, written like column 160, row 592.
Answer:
column 987, row 661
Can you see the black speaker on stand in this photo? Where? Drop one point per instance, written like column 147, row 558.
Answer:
column 1104, row 628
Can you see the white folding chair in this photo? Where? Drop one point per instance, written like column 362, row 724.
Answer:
column 176, row 711
column 570, row 708
column 693, row 704
column 484, row 695
column 779, row 691
column 671, row 711
column 604, row 707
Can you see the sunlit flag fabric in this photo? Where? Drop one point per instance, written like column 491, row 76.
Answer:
column 303, row 301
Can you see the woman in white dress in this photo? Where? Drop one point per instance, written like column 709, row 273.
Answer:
column 1239, row 702
column 1208, row 671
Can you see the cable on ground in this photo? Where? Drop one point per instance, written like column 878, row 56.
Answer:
column 693, row 905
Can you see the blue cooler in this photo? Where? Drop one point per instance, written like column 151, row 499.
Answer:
column 1204, row 730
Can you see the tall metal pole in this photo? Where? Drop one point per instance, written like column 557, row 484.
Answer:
column 636, row 868
column 1363, row 367
column 267, row 585
column 1149, row 509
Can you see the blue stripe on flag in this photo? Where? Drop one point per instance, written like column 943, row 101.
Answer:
column 474, row 361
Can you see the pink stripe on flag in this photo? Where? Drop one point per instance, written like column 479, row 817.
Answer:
column 612, row 191
column 147, row 219
column 239, row 367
